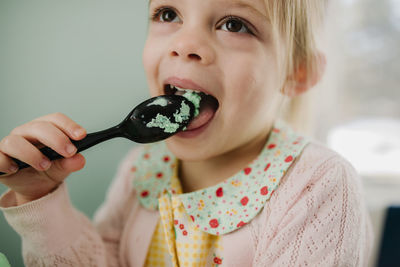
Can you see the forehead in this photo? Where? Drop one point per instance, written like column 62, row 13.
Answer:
column 251, row 5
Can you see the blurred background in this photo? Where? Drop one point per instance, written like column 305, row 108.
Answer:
column 83, row 58
column 359, row 108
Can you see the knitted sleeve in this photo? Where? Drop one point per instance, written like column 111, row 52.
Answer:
column 54, row 233
column 317, row 217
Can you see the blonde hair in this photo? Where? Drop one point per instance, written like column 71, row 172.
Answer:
column 296, row 24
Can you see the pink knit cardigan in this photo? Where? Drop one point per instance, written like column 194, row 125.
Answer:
column 316, row 217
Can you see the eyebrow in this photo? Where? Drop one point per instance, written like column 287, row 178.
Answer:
column 241, row 4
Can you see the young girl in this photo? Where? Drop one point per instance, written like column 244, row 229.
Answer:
column 238, row 188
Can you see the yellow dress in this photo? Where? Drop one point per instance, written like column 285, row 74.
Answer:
column 177, row 241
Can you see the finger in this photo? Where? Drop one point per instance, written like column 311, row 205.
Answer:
column 61, row 121
column 63, row 167
column 67, row 125
column 7, row 165
column 18, row 147
column 49, row 135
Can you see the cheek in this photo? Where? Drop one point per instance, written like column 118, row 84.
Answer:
column 156, row 44
column 148, row 57
column 151, row 58
column 256, row 80
column 253, row 89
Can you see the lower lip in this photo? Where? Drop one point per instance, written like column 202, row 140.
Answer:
column 195, row 132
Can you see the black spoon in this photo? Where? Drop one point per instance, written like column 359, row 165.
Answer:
column 134, row 127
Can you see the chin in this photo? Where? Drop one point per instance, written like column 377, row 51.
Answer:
column 189, row 151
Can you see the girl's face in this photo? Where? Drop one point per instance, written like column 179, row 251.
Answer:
column 223, row 48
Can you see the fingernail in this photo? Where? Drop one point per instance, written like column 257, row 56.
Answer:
column 70, row 149
column 45, row 164
column 13, row 168
column 79, row 132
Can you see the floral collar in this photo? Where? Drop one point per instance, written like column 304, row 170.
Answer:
column 229, row 205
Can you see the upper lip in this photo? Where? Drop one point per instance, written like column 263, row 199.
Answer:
column 184, row 84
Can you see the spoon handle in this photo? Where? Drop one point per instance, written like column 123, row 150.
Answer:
column 87, row 142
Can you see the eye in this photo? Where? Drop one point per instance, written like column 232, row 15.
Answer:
column 165, row 14
column 234, row 24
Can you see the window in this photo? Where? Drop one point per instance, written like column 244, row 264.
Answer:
column 360, row 93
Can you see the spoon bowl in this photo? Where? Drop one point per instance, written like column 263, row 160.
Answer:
column 136, row 125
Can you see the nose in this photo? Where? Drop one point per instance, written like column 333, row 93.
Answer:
column 192, row 46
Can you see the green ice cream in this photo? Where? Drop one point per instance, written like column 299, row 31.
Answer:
column 195, row 98
column 183, row 114
column 165, row 123
column 180, row 116
column 3, row 261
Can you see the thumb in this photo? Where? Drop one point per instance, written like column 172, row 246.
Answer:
column 61, row 168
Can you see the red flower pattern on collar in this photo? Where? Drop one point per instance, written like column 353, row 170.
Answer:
column 231, row 204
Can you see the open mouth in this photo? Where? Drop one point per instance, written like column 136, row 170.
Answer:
column 208, row 105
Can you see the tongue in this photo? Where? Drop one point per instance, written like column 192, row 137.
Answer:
column 206, row 113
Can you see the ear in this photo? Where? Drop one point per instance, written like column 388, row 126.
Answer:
column 301, row 80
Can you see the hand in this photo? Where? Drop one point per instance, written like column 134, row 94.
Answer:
column 23, row 143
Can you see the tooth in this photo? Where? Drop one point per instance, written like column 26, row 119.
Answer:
column 183, row 89
column 180, row 89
